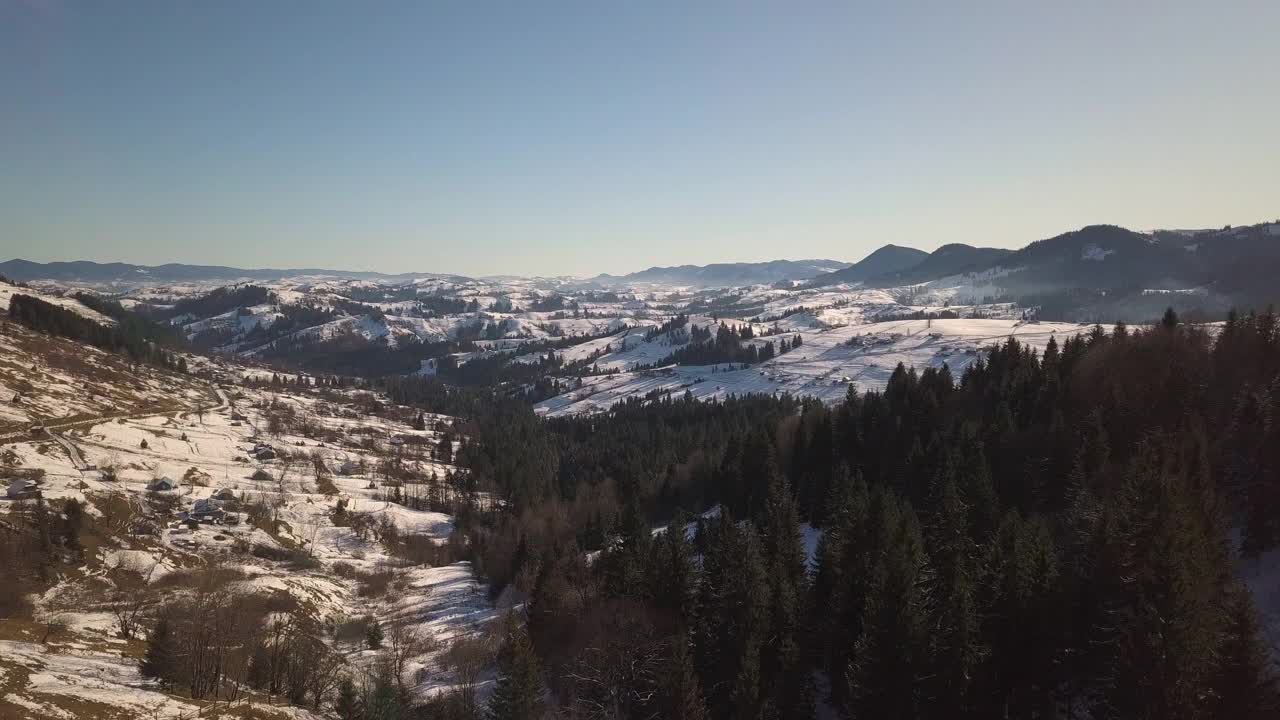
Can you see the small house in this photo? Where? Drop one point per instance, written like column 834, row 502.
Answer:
column 263, row 453
column 23, row 489
column 224, row 495
column 163, row 484
column 206, row 510
column 348, row 468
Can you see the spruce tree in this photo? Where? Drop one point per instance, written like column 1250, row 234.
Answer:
column 347, row 705
column 1245, row 686
column 733, row 620
column 160, row 661
column 889, row 656
column 1161, row 587
column 673, row 576
column 956, row 645
column 681, row 694
column 258, row 674
column 843, row 582
column 373, row 635
column 752, row 623
column 519, row 690
column 1024, row 622
column 623, row 565
column 829, row 555
column 785, row 686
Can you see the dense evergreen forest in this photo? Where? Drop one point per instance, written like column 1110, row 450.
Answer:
column 217, row 301
column 1047, row 536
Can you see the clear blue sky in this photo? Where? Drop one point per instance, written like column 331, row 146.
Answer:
column 551, row 137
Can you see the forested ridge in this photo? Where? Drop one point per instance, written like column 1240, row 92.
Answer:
column 132, row 335
column 1048, row 535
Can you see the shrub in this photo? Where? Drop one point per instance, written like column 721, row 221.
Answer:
column 293, row 559
column 374, row 584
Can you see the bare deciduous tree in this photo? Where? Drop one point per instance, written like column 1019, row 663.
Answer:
column 403, row 643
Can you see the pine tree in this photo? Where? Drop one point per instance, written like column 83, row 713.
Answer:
column 673, row 576
column 745, row 688
column 1246, row 686
column 347, row 706
column 161, row 657
column 759, row 469
column 258, row 674
column 733, row 620
column 956, row 645
column 890, row 653
column 681, row 694
column 840, row 586
column 1024, row 621
column 623, row 565
column 786, row 690
column 1161, row 575
column 832, row 546
column 519, row 690
column 373, row 635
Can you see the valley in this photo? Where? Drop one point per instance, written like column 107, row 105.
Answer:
column 333, row 485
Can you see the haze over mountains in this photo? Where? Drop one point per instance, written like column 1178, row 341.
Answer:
column 727, row 274
column 131, row 275
column 1227, row 262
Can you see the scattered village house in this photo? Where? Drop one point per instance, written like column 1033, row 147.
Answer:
column 207, row 510
column 23, row 489
column 163, row 484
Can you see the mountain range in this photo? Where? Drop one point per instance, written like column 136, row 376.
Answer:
column 1235, row 264
column 127, row 274
column 725, row 274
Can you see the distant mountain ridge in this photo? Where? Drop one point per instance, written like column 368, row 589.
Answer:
column 88, row 272
column 950, row 259
column 726, row 274
column 1234, row 264
column 887, row 259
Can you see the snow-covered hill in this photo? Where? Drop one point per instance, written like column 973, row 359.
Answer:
column 827, row 364
column 144, row 452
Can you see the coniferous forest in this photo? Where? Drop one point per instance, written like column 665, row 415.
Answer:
column 1051, row 535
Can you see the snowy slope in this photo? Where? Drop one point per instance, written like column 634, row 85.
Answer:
column 824, row 367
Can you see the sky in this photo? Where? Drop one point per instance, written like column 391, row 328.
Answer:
column 557, row 138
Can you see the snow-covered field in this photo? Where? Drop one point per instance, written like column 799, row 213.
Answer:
column 825, row 366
